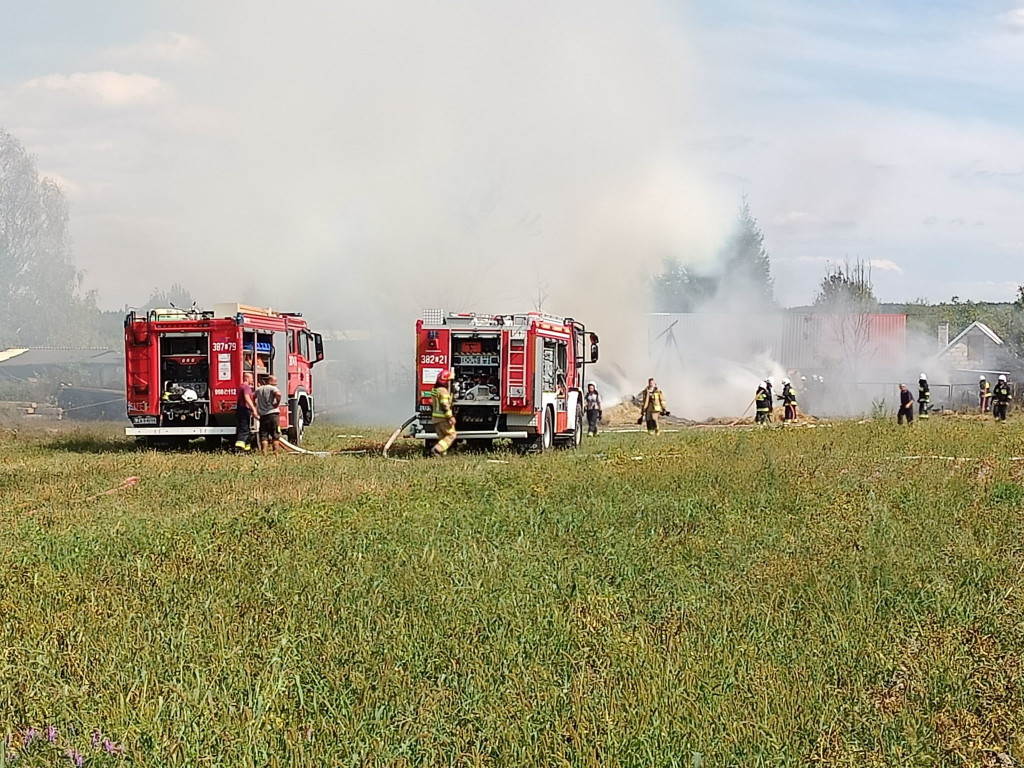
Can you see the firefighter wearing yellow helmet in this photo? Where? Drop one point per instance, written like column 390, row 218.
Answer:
column 442, row 416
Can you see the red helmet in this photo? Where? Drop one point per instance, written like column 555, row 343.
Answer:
column 444, row 377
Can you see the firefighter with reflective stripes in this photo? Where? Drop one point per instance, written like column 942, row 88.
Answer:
column 1001, row 398
column 652, row 407
column 442, row 415
column 924, row 396
column 788, row 398
column 984, row 393
column 761, row 403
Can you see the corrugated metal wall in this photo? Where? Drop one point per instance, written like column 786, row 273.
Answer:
column 804, row 342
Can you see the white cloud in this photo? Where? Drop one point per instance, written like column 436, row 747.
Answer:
column 108, row 88
column 885, row 265
column 172, row 47
column 1013, row 20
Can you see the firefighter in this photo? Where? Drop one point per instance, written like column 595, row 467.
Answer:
column 906, row 410
column 652, row 407
column 443, row 417
column 761, row 403
column 984, row 394
column 768, row 383
column 788, row 398
column 924, row 396
column 1001, row 398
column 245, row 409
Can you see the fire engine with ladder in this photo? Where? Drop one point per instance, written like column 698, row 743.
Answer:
column 183, row 369
column 514, row 377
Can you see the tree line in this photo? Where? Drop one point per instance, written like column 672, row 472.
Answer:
column 742, row 268
column 42, row 302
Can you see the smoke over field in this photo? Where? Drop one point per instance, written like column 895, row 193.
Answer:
column 374, row 160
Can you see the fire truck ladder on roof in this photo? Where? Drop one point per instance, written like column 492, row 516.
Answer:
column 515, row 365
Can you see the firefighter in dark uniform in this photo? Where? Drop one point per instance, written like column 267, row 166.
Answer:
column 984, row 393
column 1001, row 398
column 768, row 384
column 924, row 396
column 761, row 402
column 788, row 398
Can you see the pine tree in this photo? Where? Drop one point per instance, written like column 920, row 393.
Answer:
column 746, row 267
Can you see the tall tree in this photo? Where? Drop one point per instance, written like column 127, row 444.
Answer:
column 847, row 288
column 746, row 267
column 40, row 288
column 847, row 296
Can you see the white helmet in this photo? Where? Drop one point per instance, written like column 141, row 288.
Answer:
column 769, row 381
column 785, row 381
column 803, row 378
column 189, row 396
column 982, row 377
column 924, row 377
column 1002, row 377
column 592, row 384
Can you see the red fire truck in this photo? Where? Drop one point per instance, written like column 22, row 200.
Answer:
column 516, row 377
column 183, row 369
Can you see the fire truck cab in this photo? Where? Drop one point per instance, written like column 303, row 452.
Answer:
column 515, row 377
column 183, row 369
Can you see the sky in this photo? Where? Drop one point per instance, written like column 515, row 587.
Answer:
column 413, row 152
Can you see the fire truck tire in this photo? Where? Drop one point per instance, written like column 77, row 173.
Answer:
column 577, row 432
column 298, row 424
column 546, row 440
column 428, row 448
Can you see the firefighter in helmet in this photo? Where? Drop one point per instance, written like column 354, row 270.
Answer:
column 761, row 401
column 1001, row 398
column 924, row 396
column 984, row 393
column 652, row 407
column 442, row 416
column 788, row 398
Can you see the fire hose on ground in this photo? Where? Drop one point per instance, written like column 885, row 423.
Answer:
column 396, row 433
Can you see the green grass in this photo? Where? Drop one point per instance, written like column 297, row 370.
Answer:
column 771, row 597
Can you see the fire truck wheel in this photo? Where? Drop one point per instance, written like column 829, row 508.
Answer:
column 428, row 448
column 298, row 425
column 577, row 433
column 547, row 437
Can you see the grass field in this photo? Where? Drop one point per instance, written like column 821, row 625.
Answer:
column 706, row 598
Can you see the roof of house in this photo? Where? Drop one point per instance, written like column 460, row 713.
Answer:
column 977, row 324
column 45, row 356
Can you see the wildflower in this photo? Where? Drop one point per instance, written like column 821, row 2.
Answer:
column 76, row 758
column 30, row 735
column 51, row 734
column 111, row 748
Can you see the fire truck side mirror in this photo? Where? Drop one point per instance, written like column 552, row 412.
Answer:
column 593, row 347
column 318, row 343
